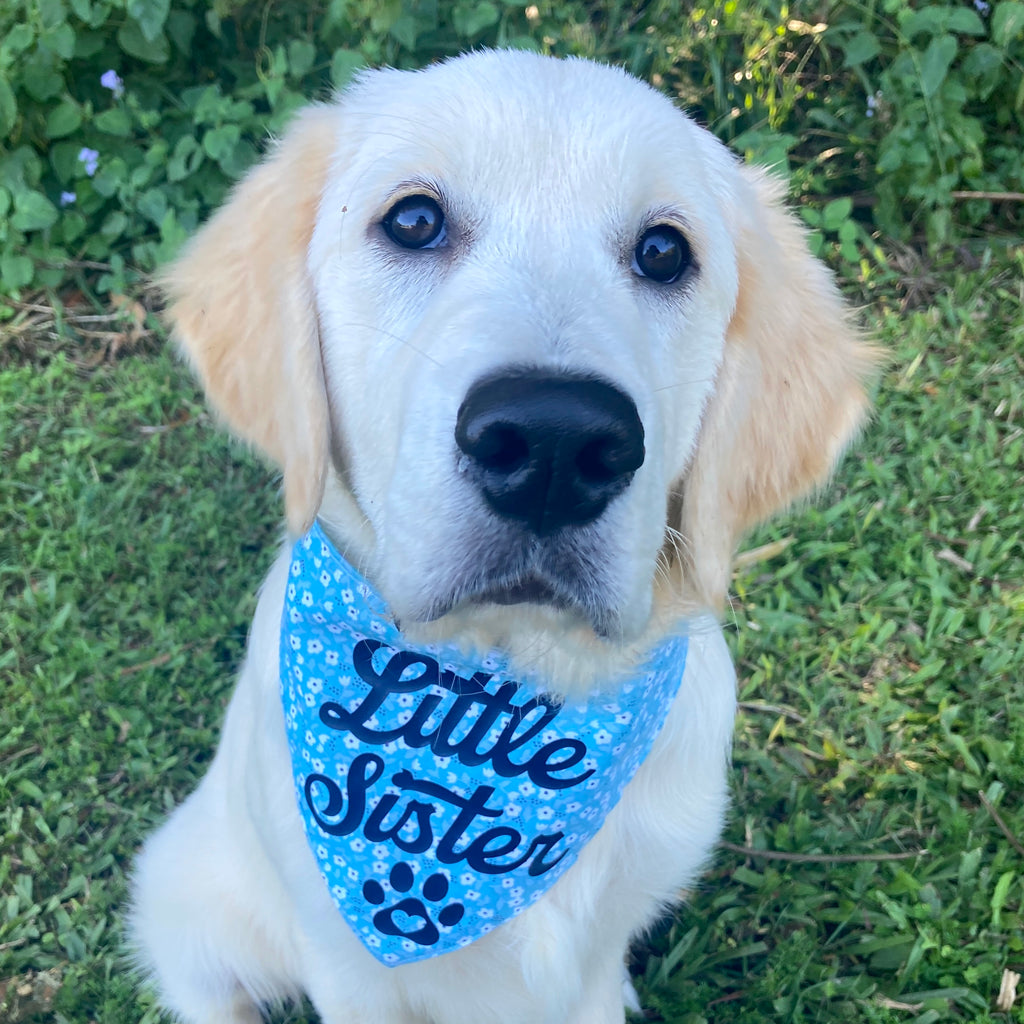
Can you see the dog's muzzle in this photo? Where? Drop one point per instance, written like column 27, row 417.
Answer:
column 549, row 449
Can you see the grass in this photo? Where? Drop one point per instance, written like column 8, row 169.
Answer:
column 873, row 867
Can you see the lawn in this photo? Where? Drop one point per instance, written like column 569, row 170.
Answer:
column 873, row 866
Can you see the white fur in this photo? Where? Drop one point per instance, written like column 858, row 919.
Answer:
column 548, row 171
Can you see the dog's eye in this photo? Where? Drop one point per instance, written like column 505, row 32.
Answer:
column 415, row 222
column 662, row 254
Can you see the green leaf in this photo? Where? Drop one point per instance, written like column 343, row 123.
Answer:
column 60, row 41
column 150, row 15
column 172, row 235
column 152, row 205
column 72, row 225
column 63, row 120
column 8, row 108
column 471, row 19
column 930, row 19
column 51, row 13
column 131, row 39
column 403, row 30
column 33, row 212
column 114, row 225
column 966, row 21
column 301, row 55
column 181, row 27
column 239, row 160
column 999, row 896
column 344, row 64
column 836, row 213
column 114, row 122
column 1007, row 22
column 41, row 81
column 219, row 142
column 88, row 44
column 935, row 63
column 19, row 38
column 982, row 67
column 185, row 159
column 64, row 160
column 862, row 47
column 15, row 270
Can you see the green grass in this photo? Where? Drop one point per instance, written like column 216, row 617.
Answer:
column 880, row 656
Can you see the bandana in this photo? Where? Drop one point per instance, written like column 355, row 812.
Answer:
column 440, row 796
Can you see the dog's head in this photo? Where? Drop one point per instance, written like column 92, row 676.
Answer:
column 521, row 333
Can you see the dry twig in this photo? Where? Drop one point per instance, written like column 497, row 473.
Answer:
column 1013, row 840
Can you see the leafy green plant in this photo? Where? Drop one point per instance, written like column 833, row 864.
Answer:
column 114, row 144
column 123, row 122
column 943, row 103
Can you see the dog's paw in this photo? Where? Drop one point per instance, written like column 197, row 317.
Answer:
column 410, row 917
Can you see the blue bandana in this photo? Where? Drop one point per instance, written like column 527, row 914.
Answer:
column 439, row 796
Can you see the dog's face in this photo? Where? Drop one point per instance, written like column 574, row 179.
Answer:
column 537, row 336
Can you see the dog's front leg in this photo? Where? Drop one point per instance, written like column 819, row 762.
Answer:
column 603, row 997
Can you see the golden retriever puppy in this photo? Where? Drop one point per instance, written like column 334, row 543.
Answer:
column 532, row 350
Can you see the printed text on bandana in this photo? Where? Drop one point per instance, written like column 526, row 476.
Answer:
column 465, row 721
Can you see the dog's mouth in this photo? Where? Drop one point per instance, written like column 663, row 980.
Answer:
column 529, row 590
column 566, row 593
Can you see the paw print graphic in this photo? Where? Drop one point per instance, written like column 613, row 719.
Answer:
column 410, row 917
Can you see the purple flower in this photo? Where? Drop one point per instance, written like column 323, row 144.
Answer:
column 90, row 158
column 67, row 198
column 112, row 80
column 982, row 8
column 872, row 103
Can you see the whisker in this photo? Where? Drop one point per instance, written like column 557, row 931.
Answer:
column 393, row 337
column 684, row 383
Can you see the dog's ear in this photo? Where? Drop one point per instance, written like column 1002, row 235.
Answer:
column 243, row 310
column 790, row 394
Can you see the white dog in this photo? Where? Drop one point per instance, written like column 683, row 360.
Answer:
column 532, row 350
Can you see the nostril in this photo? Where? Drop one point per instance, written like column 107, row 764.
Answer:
column 594, row 462
column 501, row 448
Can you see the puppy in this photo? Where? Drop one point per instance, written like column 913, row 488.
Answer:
column 532, row 350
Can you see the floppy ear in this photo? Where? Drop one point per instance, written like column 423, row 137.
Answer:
column 790, row 392
column 242, row 307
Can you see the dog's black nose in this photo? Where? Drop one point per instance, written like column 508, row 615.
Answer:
column 549, row 449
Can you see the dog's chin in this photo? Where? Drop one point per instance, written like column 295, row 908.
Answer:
column 531, row 591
